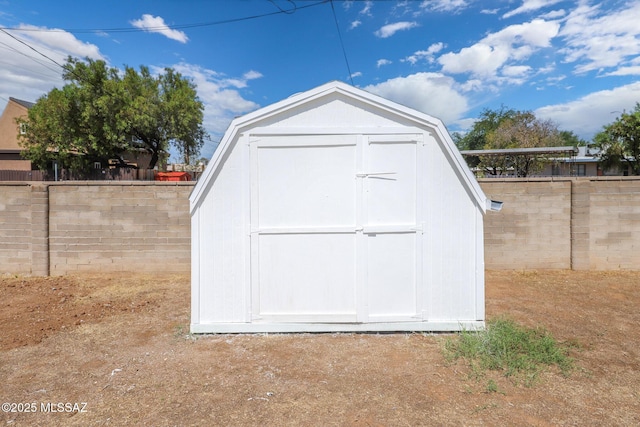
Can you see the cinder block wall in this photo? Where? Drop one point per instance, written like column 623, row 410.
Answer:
column 15, row 228
column 68, row 227
column 578, row 223
column 614, row 222
column 140, row 226
column 533, row 230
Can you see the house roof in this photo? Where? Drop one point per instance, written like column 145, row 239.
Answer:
column 374, row 101
column 25, row 104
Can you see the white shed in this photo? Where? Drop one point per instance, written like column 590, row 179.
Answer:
column 337, row 210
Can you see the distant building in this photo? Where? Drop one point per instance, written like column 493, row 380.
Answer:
column 10, row 158
column 560, row 161
column 582, row 163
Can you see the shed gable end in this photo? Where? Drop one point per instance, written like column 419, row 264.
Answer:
column 335, row 110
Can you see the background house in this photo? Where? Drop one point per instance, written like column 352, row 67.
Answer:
column 10, row 150
column 558, row 161
column 583, row 162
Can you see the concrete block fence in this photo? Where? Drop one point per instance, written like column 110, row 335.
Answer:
column 587, row 223
column 112, row 226
column 57, row 228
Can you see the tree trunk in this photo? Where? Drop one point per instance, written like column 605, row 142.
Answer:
column 154, row 159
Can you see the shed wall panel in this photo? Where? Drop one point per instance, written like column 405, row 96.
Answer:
column 452, row 241
column 307, row 274
column 391, row 276
column 223, row 246
column 306, row 185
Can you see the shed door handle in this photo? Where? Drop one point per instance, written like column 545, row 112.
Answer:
column 365, row 175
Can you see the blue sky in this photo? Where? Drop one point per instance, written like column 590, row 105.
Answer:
column 577, row 63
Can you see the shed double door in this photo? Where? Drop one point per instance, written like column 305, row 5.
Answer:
column 335, row 235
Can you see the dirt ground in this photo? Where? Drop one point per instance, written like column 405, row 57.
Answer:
column 117, row 351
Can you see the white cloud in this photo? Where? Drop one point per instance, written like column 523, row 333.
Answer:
column 530, row 6
column 390, row 29
column 554, row 14
column 598, row 40
column 28, row 75
column 626, row 71
column 366, row 9
column 515, row 74
column 382, row 62
column 155, row 24
column 489, row 11
column 443, row 5
column 252, row 75
column 474, row 85
column 513, row 43
column 516, row 70
column 219, row 94
column 587, row 115
column 480, row 59
column 553, row 80
column 465, row 124
column 432, row 93
column 355, row 24
column 427, row 55
column 356, row 74
column 58, row 42
column 546, row 68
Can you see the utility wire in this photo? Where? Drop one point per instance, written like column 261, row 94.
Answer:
column 71, row 70
column 171, row 27
column 31, row 47
column 6, row 46
column 288, row 12
column 344, row 52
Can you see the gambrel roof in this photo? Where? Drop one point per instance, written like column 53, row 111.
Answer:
column 299, row 103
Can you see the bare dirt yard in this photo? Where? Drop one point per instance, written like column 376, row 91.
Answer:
column 117, row 351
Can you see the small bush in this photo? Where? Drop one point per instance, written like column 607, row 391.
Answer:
column 505, row 346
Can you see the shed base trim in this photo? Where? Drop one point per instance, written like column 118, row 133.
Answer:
column 432, row 326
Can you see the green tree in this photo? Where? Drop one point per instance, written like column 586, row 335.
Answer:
column 568, row 138
column 522, row 130
column 619, row 142
column 101, row 113
column 488, row 121
column 476, row 138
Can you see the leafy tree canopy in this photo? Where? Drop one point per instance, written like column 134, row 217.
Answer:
column 569, row 138
column 522, row 130
column 507, row 128
column 102, row 113
column 476, row 138
column 489, row 120
column 619, row 142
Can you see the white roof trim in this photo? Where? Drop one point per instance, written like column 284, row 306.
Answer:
column 339, row 87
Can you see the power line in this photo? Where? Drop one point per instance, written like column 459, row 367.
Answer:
column 344, row 52
column 288, row 12
column 31, row 47
column 71, row 70
column 6, row 46
column 170, row 27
